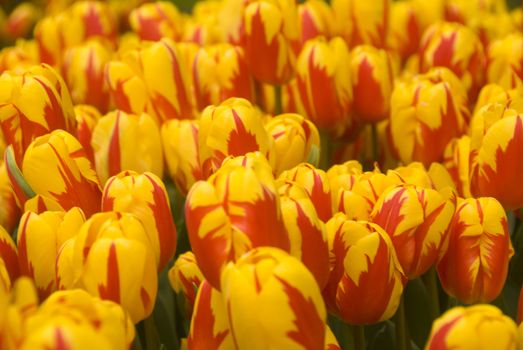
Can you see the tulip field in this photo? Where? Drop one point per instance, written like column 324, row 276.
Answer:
column 261, row 175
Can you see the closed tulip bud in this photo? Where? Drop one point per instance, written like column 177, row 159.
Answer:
column 316, row 184
column 474, row 327
column 145, row 196
column 9, row 211
column 416, row 219
column 271, row 30
column 306, row 231
column 9, row 255
column 152, row 79
column 235, row 210
column 87, row 117
column 366, row 279
column 504, row 61
column 426, row 113
column 220, row 72
column 56, row 166
column 342, row 177
column 362, row 22
column 182, row 156
column 113, row 259
column 475, row 265
column 209, row 323
column 33, row 104
column 316, row 19
column 457, row 48
column 405, row 28
column 232, row 128
column 116, row 149
column 436, row 177
column 322, row 66
column 154, row 21
column 457, row 160
column 270, row 280
column 20, row 57
column 372, row 83
column 21, row 20
column 185, row 278
column 296, row 140
column 496, row 137
column 83, row 70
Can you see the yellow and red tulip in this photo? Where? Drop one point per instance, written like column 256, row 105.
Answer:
column 416, row 219
column 204, row 27
column 156, row 20
column 475, row 264
column 306, row 231
column 362, row 22
column 372, row 83
column 494, row 93
column 405, row 28
column 296, row 140
column 87, row 117
column 145, row 196
column 185, row 278
column 32, row 104
column 474, row 327
column 40, row 237
column 21, row 20
column 457, row 48
column 83, row 71
column 366, row 279
column 115, row 146
column 426, row 113
column 316, row 19
column 316, row 184
column 209, row 323
column 436, row 177
column 113, row 259
column 56, row 166
column 235, row 210
column 496, row 139
column 9, row 211
column 269, row 281
column 322, row 66
column 457, row 161
column 505, row 58
column 20, row 57
column 232, row 128
column 9, row 255
column 271, row 30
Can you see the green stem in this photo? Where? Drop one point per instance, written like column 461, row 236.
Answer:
column 375, row 145
column 431, row 283
column 151, row 334
column 358, row 332
column 277, row 100
column 325, row 150
column 402, row 338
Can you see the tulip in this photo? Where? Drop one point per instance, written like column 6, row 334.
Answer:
column 9, row 211
column 457, row 48
column 33, row 104
column 426, row 113
column 494, row 93
column 322, row 66
column 39, row 204
column 405, row 28
column 372, row 82
column 185, row 278
column 463, row 11
column 204, row 27
column 116, row 149
column 5, row 281
column 475, row 265
column 9, row 255
column 21, row 20
column 154, row 21
column 306, row 231
column 209, row 323
column 232, row 128
column 342, row 177
column 316, row 19
column 113, row 259
column 504, row 58
column 83, row 70
column 39, row 239
column 457, row 161
column 145, row 196
column 271, row 30
column 296, row 140
column 496, row 138
column 474, row 327
column 269, row 281
column 437, row 177
column 316, row 184
column 20, row 57
column 366, row 279
column 235, row 210
column 56, row 166
column 151, row 79
column 87, row 117
column 220, row 72
column 362, row 22
column 416, row 219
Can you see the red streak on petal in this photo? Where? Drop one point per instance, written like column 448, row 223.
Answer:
column 111, row 291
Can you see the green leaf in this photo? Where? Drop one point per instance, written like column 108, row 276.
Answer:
column 417, row 311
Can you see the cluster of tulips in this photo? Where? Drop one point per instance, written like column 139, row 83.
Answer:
column 261, row 174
